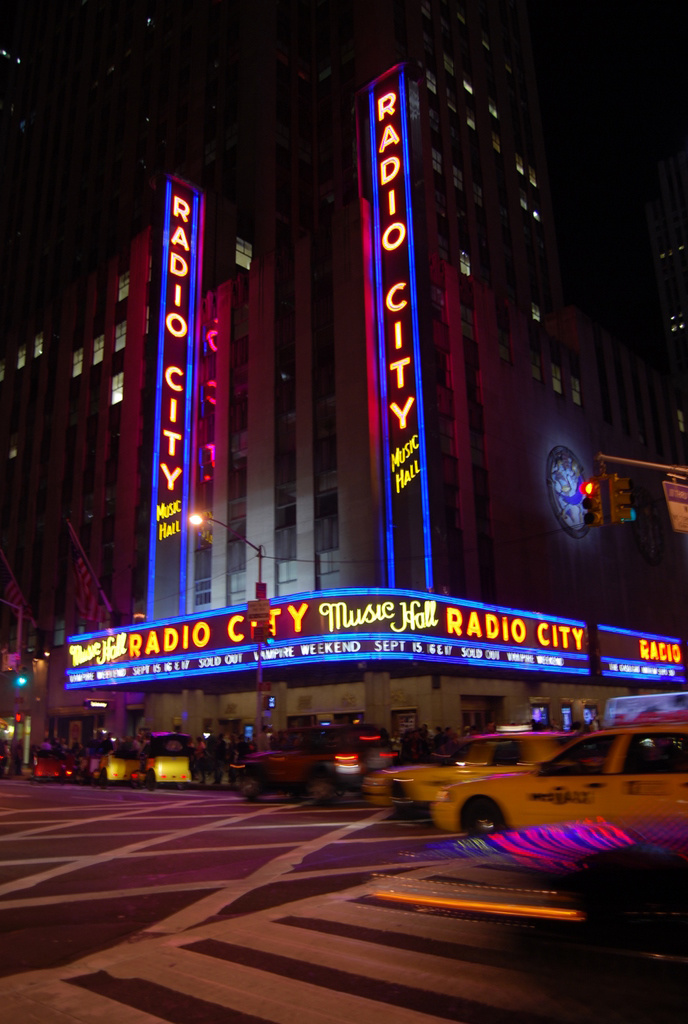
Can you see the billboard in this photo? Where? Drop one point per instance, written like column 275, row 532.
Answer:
column 631, row 657
column 181, row 245
column 326, row 628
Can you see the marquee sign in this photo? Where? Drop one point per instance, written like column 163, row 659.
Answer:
column 179, row 298
column 628, row 656
column 384, row 105
column 328, row 627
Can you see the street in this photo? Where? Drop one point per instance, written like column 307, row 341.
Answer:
column 196, row 906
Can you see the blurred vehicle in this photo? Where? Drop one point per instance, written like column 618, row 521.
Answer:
column 411, row 789
column 602, row 776
column 165, row 759
column 645, row 708
column 120, row 765
column 319, row 761
column 54, row 764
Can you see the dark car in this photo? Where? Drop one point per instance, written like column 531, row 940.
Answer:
column 318, row 761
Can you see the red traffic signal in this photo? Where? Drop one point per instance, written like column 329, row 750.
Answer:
column 592, row 502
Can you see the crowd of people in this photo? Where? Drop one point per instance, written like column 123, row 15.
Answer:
column 215, row 756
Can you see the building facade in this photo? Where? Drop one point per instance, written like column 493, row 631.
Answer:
column 313, row 330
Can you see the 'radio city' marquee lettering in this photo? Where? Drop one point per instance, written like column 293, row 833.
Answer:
column 653, row 650
column 177, row 331
column 383, row 108
column 377, row 624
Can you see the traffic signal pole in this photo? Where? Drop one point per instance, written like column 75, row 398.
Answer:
column 677, row 471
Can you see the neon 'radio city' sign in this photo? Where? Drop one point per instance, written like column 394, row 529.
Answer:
column 628, row 655
column 406, row 515
column 179, row 297
column 333, row 626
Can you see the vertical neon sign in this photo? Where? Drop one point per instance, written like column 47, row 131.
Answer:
column 406, row 511
column 179, row 295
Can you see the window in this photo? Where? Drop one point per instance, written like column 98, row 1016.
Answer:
column 244, row 253
column 21, row 356
column 123, row 286
column 120, row 336
column 38, row 345
column 117, row 391
column 535, row 311
column 679, row 416
column 77, row 362
column 436, row 161
column 650, row 754
column 465, row 263
column 2, row 369
column 584, row 758
column 14, row 446
column 98, row 349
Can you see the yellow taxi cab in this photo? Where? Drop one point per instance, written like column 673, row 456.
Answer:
column 411, row 788
column 617, row 774
column 118, row 765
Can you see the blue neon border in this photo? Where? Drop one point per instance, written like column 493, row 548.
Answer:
column 425, row 496
column 158, row 400
column 381, row 656
column 190, row 345
column 382, row 360
column 382, row 354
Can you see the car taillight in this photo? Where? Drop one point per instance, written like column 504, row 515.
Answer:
column 386, row 753
column 346, row 759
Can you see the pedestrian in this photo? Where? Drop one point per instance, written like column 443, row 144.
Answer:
column 17, row 756
column 220, row 758
column 200, row 762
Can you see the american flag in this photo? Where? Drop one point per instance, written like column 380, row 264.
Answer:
column 84, row 585
column 10, row 588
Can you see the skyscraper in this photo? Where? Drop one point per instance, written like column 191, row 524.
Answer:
column 667, row 219
column 253, row 136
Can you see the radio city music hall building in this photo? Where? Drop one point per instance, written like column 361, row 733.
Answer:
column 295, row 270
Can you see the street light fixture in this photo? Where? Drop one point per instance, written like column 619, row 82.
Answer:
column 197, row 520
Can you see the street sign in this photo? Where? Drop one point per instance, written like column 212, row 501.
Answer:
column 677, row 502
column 261, row 591
column 259, row 612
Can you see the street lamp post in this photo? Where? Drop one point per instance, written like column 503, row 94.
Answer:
column 197, row 520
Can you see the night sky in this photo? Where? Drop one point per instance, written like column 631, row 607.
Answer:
column 613, row 84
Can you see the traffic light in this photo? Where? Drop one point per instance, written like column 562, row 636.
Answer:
column 592, row 502
column 22, row 678
column 621, row 499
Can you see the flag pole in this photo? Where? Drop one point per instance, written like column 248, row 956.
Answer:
column 88, row 565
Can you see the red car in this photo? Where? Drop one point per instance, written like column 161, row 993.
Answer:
column 51, row 764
